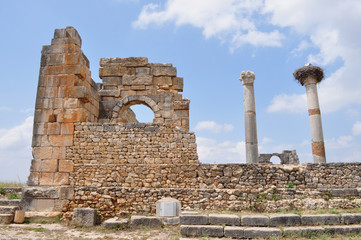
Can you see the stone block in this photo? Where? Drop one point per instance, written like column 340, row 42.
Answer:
column 201, row 231
column 40, row 192
column 226, row 219
column 354, row 229
column 39, row 205
column 19, row 216
column 6, row 218
column 234, row 232
column 137, row 80
column 61, row 178
column 259, row 232
column 53, row 128
column 320, row 219
column 302, row 231
column 49, row 165
column 42, row 153
column 66, row 166
column 351, row 218
column 8, row 209
column 171, row 220
column 66, row 193
column 194, row 219
column 61, row 140
column 285, row 220
column 116, row 223
column 168, row 207
column 255, row 220
column 85, row 217
column 46, row 178
column 58, row 153
column 136, row 221
column 112, row 81
column 71, row 103
column 164, row 71
column 129, row 62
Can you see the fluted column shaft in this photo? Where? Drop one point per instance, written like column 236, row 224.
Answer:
column 247, row 78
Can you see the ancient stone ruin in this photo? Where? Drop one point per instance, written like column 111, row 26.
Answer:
column 90, row 151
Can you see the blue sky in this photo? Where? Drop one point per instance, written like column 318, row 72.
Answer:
column 211, row 43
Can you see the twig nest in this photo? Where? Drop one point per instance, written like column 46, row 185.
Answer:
column 304, row 72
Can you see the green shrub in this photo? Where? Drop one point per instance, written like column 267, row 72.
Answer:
column 13, row 196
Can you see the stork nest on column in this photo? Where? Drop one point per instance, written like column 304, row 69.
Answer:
column 304, row 72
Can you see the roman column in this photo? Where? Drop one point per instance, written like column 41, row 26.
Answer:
column 309, row 76
column 247, row 77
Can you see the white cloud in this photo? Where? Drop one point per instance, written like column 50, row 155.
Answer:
column 338, row 143
column 15, row 151
column 335, row 31
column 229, row 20
column 266, row 140
column 213, row 127
column 301, row 47
column 288, row 103
column 356, row 129
column 212, row 151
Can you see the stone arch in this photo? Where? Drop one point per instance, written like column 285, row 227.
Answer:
column 123, row 105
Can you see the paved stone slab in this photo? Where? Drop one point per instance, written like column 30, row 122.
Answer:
column 342, row 229
column 6, row 218
column 136, row 221
column 302, row 231
column 255, row 220
column 285, row 220
column 234, row 232
column 351, row 218
column 85, row 217
column 318, row 219
column 194, row 219
column 116, row 223
column 171, row 220
column 201, row 231
column 227, row 219
column 259, row 232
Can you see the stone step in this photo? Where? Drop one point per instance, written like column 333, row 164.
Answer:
column 4, row 202
column 8, row 209
column 136, row 221
column 6, row 218
column 116, row 223
column 201, row 231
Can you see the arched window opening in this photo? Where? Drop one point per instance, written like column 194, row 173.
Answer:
column 275, row 160
column 143, row 113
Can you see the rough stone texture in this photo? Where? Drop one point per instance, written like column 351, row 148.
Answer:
column 343, row 229
column 286, row 157
column 19, row 216
column 171, row 220
column 85, row 217
column 114, row 223
column 284, row 220
column 234, row 232
column 255, row 220
column 6, row 218
column 8, row 209
column 136, row 221
column 258, row 232
column 194, row 219
column 320, row 219
column 4, row 202
column 302, row 231
column 226, row 219
column 201, row 231
column 351, row 218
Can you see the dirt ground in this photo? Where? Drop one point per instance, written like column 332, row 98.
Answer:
column 60, row 231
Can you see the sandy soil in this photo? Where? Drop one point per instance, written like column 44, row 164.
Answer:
column 59, row 231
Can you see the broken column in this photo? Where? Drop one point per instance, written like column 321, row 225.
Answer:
column 247, row 77
column 309, row 76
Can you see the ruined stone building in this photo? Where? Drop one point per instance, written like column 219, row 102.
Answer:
column 90, row 151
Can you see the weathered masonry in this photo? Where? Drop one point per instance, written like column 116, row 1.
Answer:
column 90, row 151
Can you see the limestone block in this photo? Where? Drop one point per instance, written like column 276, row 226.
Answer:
column 130, row 62
column 66, row 166
column 255, row 220
column 67, row 128
column 6, row 218
column 285, row 220
column 42, row 152
column 53, row 128
column 351, row 218
column 354, row 229
column 19, row 217
column 137, row 80
column 227, row 219
column 194, row 219
column 303, row 231
column 49, row 165
column 46, row 178
column 171, row 220
column 85, row 217
column 164, row 71
column 136, row 221
column 68, row 32
column 61, row 140
column 234, row 232
column 142, row 71
column 259, row 232
column 112, row 80
column 168, row 207
column 40, row 192
column 114, row 223
column 320, row 219
column 61, row 178
column 201, row 231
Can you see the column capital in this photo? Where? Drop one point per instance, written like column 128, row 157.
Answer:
column 247, row 77
column 308, row 74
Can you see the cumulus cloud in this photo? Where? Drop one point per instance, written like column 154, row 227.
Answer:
column 338, row 143
column 15, row 151
column 335, row 31
column 213, row 127
column 212, row 151
column 356, row 129
column 229, row 20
